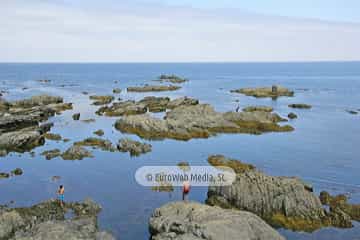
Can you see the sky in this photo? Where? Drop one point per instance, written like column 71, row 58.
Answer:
column 179, row 30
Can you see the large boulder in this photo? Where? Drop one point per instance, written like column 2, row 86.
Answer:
column 195, row 221
column 263, row 92
column 199, row 121
column 281, row 201
column 135, row 148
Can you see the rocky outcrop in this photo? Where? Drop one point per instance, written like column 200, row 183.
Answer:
column 99, row 132
column 262, row 92
column 195, row 221
column 47, row 221
column 258, row 108
column 116, row 90
column 52, row 136
column 102, row 144
column 76, row 116
column 199, row 121
column 153, row 88
column 50, row 154
column 135, row 148
column 171, row 78
column 76, row 152
column 151, row 104
column 281, row 201
column 19, row 121
column 300, row 105
column 101, row 100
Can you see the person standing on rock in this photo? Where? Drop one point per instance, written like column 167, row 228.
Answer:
column 60, row 193
column 185, row 190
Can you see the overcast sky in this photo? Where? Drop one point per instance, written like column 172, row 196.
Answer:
column 179, row 30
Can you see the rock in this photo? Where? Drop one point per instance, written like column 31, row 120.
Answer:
column 85, row 93
column 47, row 221
column 44, row 80
column 258, row 108
column 292, row 115
column 153, row 88
column 300, row 105
column 153, row 104
column 133, row 147
column 199, row 121
column 22, row 140
column 220, row 160
column 17, row 172
column 281, row 201
column 3, row 153
column 99, row 132
column 171, row 78
column 352, row 112
column 183, row 101
column 262, row 92
column 76, row 116
column 185, row 166
column 195, row 221
column 116, row 90
column 102, row 144
column 66, row 140
column 90, row 120
column 39, row 100
column 50, row 154
column 101, row 100
column 52, row 136
column 341, row 202
column 4, row 175
column 76, row 152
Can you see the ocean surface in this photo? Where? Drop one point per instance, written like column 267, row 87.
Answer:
column 323, row 150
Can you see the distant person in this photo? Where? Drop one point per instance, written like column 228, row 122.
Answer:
column 237, row 108
column 60, row 193
column 185, row 190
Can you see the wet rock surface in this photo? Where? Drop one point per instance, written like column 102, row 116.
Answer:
column 284, row 202
column 52, row 136
column 76, row 116
column 99, row 132
column 135, row 148
column 199, row 121
column 47, row 221
column 195, row 221
column 262, row 92
column 153, row 88
column 292, row 115
column 19, row 121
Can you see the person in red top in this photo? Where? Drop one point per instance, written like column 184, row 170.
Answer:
column 186, row 190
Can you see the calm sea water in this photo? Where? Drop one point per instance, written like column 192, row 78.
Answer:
column 323, row 150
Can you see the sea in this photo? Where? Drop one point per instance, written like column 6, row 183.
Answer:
column 324, row 149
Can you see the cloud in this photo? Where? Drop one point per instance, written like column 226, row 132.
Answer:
column 42, row 30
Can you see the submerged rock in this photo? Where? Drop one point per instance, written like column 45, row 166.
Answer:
column 47, row 221
column 50, row 154
column 352, row 112
column 300, row 105
column 4, row 175
column 105, row 145
column 199, row 121
column 292, row 115
column 76, row 116
column 17, row 172
column 258, row 108
column 195, row 221
column 281, row 201
column 76, row 152
column 133, row 147
column 262, row 92
column 102, row 100
column 153, row 88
